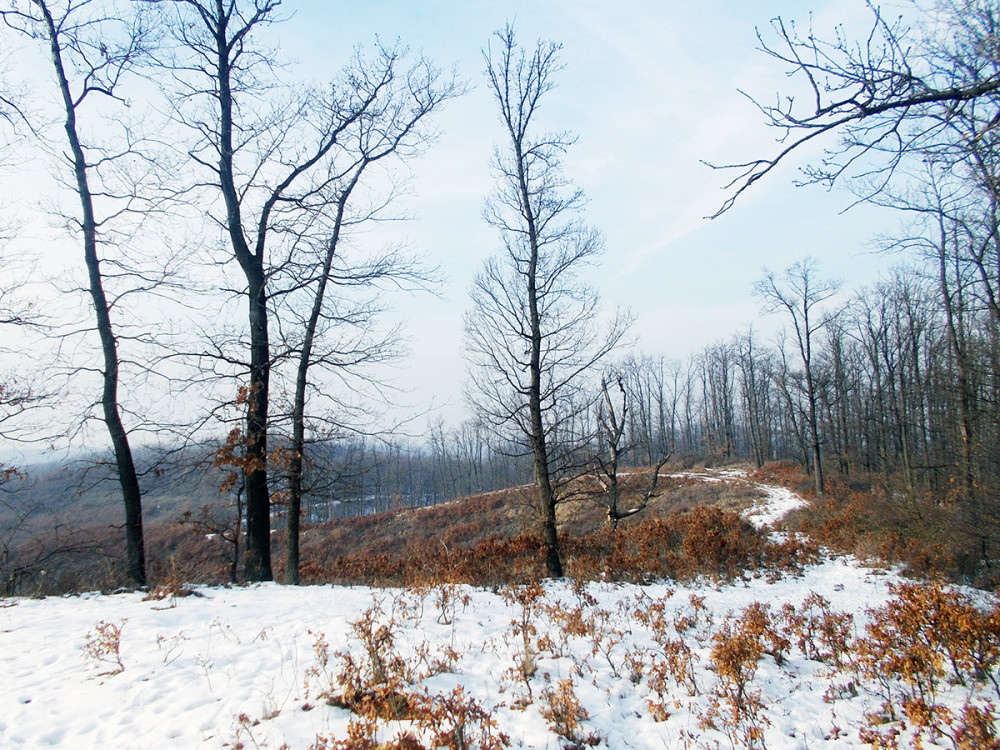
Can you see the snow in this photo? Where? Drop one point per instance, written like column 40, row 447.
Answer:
column 195, row 665
column 777, row 503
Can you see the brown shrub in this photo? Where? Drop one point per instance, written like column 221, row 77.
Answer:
column 928, row 534
column 704, row 541
column 925, row 634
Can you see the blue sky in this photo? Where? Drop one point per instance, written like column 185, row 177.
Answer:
column 651, row 89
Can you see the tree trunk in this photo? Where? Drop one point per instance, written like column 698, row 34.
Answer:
column 257, row 559
column 298, row 445
column 813, row 417
column 546, row 495
column 135, row 556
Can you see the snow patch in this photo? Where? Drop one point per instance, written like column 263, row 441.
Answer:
column 777, row 503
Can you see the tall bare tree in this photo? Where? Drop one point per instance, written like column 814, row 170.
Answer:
column 389, row 102
column 268, row 147
column 92, row 49
column 800, row 294
column 532, row 331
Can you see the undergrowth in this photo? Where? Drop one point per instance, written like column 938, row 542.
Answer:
column 930, row 535
column 921, row 670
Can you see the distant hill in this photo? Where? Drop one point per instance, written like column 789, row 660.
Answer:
column 84, row 491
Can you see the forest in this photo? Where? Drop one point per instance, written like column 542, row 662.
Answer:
column 231, row 368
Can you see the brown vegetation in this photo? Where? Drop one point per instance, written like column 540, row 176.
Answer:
column 921, row 654
column 931, row 536
column 691, row 528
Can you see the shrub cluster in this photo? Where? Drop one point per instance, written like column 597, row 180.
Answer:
column 924, row 652
column 704, row 541
column 927, row 534
column 381, row 688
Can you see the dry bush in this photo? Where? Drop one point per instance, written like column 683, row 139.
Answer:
column 789, row 554
column 930, row 534
column 455, row 721
column 737, row 648
column 410, row 546
column 603, row 629
column 784, row 473
column 693, row 615
column 704, row 541
column 923, row 535
column 821, row 633
column 977, row 729
column 497, row 561
column 565, row 715
column 672, row 660
column 479, row 540
column 924, row 635
column 376, row 685
column 494, row 561
column 173, row 585
column 674, row 663
column 530, row 601
column 363, row 734
column 176, row 552
column 103, row 646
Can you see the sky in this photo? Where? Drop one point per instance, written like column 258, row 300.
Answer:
column 651, row 90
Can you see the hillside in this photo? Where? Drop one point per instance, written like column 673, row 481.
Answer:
column 813, row 659
column 364, row 549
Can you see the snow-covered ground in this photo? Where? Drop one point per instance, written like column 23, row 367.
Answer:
column 245, row 666
column 777, row 503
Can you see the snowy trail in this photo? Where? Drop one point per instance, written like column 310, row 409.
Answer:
column 777, row 503
column 191, row 670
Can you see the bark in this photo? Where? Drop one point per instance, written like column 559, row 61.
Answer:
column 298, row 444
column 546, row 494
column 257, row 559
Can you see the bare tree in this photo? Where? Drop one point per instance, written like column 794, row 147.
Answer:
column 890, row 95
column 531, row 334
column 650, row 384
column 717, row 369
column 92, row 50
column 389, row 102
column 612, row 416
column 753, row 363
column 269, row 148
column 799, row 293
